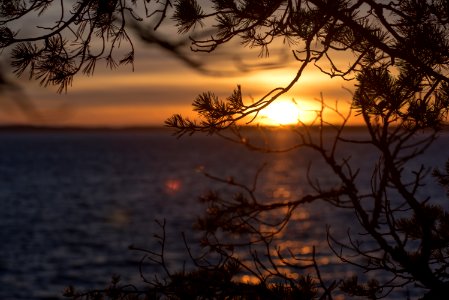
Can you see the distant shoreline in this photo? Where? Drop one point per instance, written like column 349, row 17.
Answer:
column 32, row 128
column 43, row 128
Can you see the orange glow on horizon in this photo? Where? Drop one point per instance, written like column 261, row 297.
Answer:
column 118, row 115
column 149, row 96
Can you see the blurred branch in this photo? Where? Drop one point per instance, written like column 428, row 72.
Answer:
column 14, row 94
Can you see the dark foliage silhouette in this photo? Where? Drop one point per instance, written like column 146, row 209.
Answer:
column 396, row 51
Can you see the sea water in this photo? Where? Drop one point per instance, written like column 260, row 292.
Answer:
column 72, row 202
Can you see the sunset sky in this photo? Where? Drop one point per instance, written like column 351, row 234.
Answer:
column 162, row 85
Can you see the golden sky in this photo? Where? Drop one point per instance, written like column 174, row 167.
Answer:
column 162, row 85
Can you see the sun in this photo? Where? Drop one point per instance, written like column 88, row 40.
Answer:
column 281, row 112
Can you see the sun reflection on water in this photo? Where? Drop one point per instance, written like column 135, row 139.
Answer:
column 281, row 192
column 249, row 279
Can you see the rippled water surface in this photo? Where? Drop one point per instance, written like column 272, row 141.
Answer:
column 72, row 202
